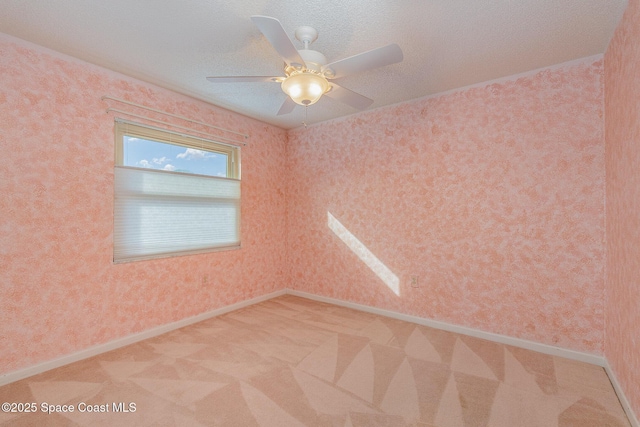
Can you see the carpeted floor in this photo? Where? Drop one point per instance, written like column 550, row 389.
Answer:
column 291, row 361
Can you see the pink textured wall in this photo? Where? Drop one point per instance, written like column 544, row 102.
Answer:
column 622, row 131
column 59, row 290
column 492, row 195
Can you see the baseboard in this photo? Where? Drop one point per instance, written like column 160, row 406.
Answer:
column 503, row 339
column 130, row 339
column 626, row 405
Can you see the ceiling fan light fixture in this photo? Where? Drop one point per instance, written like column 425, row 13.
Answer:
column 305, row 88
column 307, row 73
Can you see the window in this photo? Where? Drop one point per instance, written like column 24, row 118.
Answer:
column 174, row 194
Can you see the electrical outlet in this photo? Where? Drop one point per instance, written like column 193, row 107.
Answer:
column 414, row 282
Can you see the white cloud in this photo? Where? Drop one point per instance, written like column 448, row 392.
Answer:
column 160, row 161
column 191, row 154
column 144, row 163
column 194, row 154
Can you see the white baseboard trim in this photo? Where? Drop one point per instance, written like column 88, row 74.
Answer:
column 626, row 405
column 593, row 359
column 130, row 339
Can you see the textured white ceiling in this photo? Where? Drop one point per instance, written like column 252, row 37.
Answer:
column 446, row 43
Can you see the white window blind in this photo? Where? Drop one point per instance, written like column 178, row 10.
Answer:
column 167, row 213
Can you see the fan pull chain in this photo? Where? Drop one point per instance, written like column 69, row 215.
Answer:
column 304, row 122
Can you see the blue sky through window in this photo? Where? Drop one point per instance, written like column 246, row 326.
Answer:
column 143, row 153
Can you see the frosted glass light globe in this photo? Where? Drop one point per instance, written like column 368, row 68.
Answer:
column 305, row 88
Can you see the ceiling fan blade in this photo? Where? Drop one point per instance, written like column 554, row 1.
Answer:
column 369, row 60
column 287, row 106
column 240, row 79
column 277, row 36
column 348, row 97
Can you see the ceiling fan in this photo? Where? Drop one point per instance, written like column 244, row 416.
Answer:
column 307, row 74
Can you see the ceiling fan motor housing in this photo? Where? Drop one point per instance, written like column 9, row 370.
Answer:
column 313, row 59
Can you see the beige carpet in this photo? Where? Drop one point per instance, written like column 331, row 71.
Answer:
column 290, row 361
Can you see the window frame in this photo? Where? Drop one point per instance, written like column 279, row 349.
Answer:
column 137, row 130
column 124, row 128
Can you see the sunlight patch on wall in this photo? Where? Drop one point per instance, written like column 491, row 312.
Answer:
column 365, row 255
